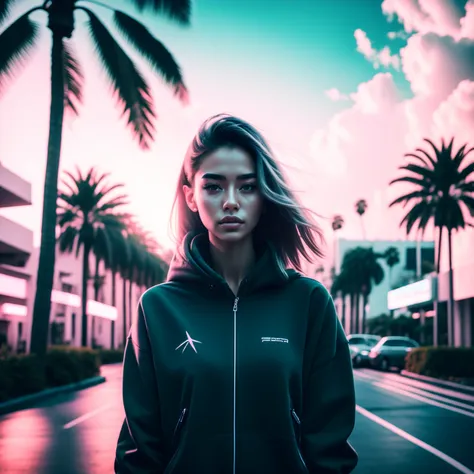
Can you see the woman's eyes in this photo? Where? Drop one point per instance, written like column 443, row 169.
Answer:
column 245, row 187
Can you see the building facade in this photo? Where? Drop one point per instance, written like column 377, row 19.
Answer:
column 16, row 246
column 423, row 295
column 414, row 259
column 18, row 269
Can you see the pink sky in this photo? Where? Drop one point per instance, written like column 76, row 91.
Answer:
column 354, row 155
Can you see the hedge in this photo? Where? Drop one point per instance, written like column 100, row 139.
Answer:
column 24, row 374
column 441, row 362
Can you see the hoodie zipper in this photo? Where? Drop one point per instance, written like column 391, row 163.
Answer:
column 179, row 425
column 236, row 301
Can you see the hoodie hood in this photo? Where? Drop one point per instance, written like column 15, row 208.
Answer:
column 192, row 265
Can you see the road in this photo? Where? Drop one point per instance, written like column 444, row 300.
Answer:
column 402, row 427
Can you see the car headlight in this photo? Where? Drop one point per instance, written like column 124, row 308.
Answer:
column 364, row 353
column 372, row 355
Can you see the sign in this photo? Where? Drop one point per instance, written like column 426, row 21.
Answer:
column 412, row 294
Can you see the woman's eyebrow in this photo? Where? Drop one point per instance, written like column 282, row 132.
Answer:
column 220, row 177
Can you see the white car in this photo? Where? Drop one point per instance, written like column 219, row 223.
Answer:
column 360, row 346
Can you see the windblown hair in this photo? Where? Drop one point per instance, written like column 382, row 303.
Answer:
column 285, row 223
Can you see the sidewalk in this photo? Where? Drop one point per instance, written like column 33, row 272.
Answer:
column 469, row 389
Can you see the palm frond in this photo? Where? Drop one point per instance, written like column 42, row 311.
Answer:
column 418, row 157
column 131, row 88
column 420, row 211
column 177, row 10
column 16, row 43
column 469, row 202
column 73, row 79
column 157, row 55
column 410, row 179
column 5, row 6
column 407, row 197
column 425, row 173
column 427, row 155
column 466, row 172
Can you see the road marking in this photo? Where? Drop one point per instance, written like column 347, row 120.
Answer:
column 423, row 399
column 85, row 417
column 430, row 395
column 432, row 388
column 362, row 375
column 427, row 447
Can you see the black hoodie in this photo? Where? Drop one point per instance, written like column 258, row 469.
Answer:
column 260, row 383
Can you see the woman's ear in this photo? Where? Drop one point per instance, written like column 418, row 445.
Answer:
column 189, row 197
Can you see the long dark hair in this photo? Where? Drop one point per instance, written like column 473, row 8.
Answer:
column 285, row 223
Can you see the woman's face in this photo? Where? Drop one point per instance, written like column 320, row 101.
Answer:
column 225, row 194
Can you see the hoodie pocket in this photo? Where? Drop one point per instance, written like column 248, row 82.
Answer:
column 297, row 426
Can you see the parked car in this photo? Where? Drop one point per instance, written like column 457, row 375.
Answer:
column 360, row 345
column 391, row 351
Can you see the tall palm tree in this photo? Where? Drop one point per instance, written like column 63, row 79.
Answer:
column 337, row 224
column 443, row 194
column 129, row 86
column 361, row 207
column 87, row 213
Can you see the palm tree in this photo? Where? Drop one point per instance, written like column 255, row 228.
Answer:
column 337, row 224
column 129, row 86
column 392, row 258
column 87, row 214
column 361, row 207
column 442, row 194
column 362, row 269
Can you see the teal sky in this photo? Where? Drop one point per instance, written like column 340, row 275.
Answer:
column 269, row 62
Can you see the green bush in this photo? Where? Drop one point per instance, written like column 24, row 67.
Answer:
column 20, row 375
column 441, row 362
column 110, row 356
column 25, row 374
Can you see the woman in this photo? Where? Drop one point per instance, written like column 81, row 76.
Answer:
column 236, row 365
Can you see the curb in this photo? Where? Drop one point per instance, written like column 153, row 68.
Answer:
column 442, row 383
column 27, row 401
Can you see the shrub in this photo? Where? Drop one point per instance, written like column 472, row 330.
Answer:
column 441, row 362
column 110, row 356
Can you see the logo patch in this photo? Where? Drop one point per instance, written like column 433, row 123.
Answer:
column 189, row 341
column 274, row 339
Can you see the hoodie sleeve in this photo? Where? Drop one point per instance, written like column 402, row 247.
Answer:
column 139, row 447
column 329, row 396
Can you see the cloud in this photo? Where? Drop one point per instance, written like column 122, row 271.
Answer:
column 384, row 57
column 336, row 95
column 362, row 146
column 397, row 34
column 455, row 116
column 441, row 17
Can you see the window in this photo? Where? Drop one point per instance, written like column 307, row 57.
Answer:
column 357, row 340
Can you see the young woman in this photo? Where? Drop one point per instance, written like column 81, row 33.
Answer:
column 237, row 365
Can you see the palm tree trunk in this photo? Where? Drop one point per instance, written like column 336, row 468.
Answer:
column 85, row 277
column 130, row 285
column 45, row 273
column 96, row 296
column 363, row 227
column 124, row 309
column 343, row 311
column 112, row 326
column 436, row 303
column 451, row 292
column 353, row 308
column 364, row 311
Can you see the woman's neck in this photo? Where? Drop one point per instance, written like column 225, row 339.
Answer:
column 233, row 260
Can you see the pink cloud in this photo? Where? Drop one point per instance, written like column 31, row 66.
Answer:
column 383, row 57
column 335, row 94
column 441, row 17
column 362, row 146
column 467, row 23
column 455, row 116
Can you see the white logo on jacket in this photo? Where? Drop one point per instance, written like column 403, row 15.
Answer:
column 189, row 341
column 274, row 339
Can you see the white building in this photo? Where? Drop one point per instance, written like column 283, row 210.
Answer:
column 18, row 269
column 16, row 246
column 402, row 273
column 421, row 296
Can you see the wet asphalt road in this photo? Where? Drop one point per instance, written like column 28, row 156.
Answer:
column 402, row 427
